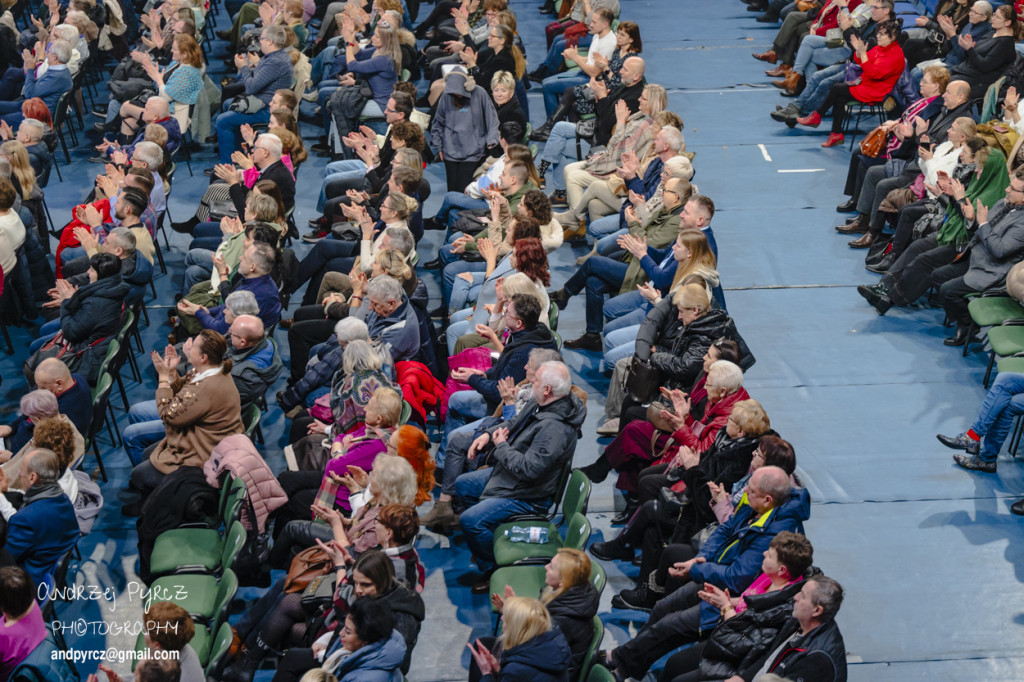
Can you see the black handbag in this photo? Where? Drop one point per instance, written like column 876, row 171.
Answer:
column 643, row 381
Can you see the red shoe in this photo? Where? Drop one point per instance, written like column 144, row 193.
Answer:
column 812, row 120
column 833, row 140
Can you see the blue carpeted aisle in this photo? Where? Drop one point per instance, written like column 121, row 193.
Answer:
column 928, row 554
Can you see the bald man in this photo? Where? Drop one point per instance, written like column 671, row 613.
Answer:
column 157, row 110
column 74, row 397
column 256, row 362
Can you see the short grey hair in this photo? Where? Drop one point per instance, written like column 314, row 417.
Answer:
column 38, row 128
column 272, row 143
column 38, row 405
column 45, row 464
column 276, row 34
column 385, row 288
column 263, row 207
column 725, row 374
column 828, row 594
column 673, row 138
column 774, row 482
column 556, row 375
column 538, row 356
column 150, row 154
column 360, row 355
column 124, row 238
column 351, row 329
column 395, row 479
column 401, row 240
column 679, row 167
column 67, row 32
column 263, row 257
column 984, row 8
column 61, row 49
column 242, row 303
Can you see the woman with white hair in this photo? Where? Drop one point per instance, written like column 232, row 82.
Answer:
column 35, row 407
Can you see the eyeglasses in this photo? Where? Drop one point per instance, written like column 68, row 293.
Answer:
column 1011, row 188
column 669, row 191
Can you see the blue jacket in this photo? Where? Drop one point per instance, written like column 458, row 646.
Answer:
column 511, row 362
column 377, row 662
column 378, row 71
column 76, row 403
column 170, row 124
column 645, row 187
column 545, row 658
column 399, row 332
column 54, row 83
column 40, row 533
column 735, row 550
column 268, row 298
column 274, row 72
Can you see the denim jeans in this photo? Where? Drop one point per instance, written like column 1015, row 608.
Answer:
column 454, row 202
column 554, row 59
column 559, row 151
column 608, row 245
column 466, row 293
column 813, row 52
column 453, row 458
column 604, row 226
column 346, row 169
column 819, row 84
column 554, row 86
column 46, row 332
column 144, row 429
column 198, row 268
column 482, row 516
column 1003, row 403
column 71, row 253
column 463, row 407
column 629, row 304
column 228, row 123
column 599, row 276
column 457, row 326
column 450, row 277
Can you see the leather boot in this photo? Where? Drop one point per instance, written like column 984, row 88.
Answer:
column 598, row 470
column 768, row 56
column 795, row 84
column 789, row 82
column 542, row 133
column 244, row 669
column 883, row 265
column 441, row 515
column 863, row 242
column 779, row 71
column 575, row 233
column 858, row 226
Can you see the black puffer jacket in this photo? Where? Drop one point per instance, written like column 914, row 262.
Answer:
column 408, row 610
column 818, row 656
column 573, row 612
column 738, row 642
column 680, row 348
column 92, row 316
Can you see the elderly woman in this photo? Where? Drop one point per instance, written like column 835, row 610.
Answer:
column 198, row 411
column 36, row 407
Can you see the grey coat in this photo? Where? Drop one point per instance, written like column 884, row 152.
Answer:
column 996, row 247
column 464, row 134
column 543, row 439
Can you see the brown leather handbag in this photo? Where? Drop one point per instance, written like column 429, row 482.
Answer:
column 807, row 5
column 872, row 145
column 309, row 564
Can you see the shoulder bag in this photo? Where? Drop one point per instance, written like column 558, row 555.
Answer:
column 872, row 145
column 309, row 564
column 642, row 381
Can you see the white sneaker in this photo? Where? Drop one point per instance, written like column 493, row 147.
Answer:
column 609, row 428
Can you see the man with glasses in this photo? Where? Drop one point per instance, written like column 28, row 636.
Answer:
column 389, row 315
column 261, row 77
column 266, row 156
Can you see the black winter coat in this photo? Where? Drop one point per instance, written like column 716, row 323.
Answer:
column 738, row 642
column 408, row 611
column 818, row 656
column 680, row 348
column 92, row 316
column 573, row 612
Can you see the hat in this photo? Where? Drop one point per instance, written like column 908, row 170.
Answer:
column 458, row 83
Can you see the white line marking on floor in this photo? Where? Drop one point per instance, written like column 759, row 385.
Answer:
column 802, row 170
column 764, row 153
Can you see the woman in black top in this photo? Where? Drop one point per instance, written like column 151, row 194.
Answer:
column 988, row 59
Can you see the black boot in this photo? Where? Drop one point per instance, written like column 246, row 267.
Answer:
column 187, row 226
column 542, row 134
column 599, row 470
column 539, row 74
column 244, row 669
column 632, row 504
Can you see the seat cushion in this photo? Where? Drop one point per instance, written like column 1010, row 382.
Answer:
column 507, row 552
column 185, row 547
column 994, row 310
column 1006, row 340
column 196, row 593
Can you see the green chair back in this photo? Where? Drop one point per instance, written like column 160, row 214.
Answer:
column 221, row 644
column 226, row 589
column 232, row 544
column 251, row 419
column 113, row 348
column 598, row 577
column 578, row 532
column 553, row 316
column 406, row 413
column 577, row 494
column 595, row 642
column 227, row 482
column 236, row 497
column 599, row 673
column 103, row 385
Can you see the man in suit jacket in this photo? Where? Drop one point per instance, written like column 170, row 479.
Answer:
column 266, row 154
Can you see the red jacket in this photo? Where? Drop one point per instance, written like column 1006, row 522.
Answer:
column 882, row 69
column 700, row 435
column 828, row 17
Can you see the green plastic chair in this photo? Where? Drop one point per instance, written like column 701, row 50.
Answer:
column 595, row 643
column 1006, row 340
column 599, row 673
column 231, row 498
column 598, row 577
column 990, row 311
column 553, row 317
column 528, row 580
column 221, row 644
column 197, row 551
column 204, row 597
column 251, row 419
column 406, row 413
column 574, row 503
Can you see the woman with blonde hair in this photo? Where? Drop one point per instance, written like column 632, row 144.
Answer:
column 528, row 650
column 22, row 175
column 571, row 600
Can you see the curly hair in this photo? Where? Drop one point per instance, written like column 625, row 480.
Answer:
column 414, row 447
column 532, row 260
column 410, row 133
column 58, row 435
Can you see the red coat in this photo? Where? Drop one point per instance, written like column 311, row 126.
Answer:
column 700, row 435
column 882, row 68
column 828, row 17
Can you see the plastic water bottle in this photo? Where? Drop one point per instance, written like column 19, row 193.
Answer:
column 535, row 535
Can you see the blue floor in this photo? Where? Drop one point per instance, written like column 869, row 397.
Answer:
column 927, row 553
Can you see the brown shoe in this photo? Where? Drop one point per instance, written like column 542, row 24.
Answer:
column 286, row 324
column 575, row 233
column 791, row 84
column 863, row 242
column 768, row 56
column 858, row 226
column 779, row 71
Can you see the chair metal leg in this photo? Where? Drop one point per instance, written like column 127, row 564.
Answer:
column 99, row 460
column 7, row 339
column 988, row 370
column 967, row 344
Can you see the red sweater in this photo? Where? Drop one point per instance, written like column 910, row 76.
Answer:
column 882, row 68
column 828, row 17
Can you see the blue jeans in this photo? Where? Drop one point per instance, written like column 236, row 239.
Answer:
column 466, row 293
column 454, row 202
column 346, row 169
column 198, row 268
column 608, row 245
column 554, row 59
column 554, row 86
column 600, row 276
column 11, row 113
column 559, row 151
column 228, row 123
column 604, row 226
column 457, row 326
column 482, row 516
column 463, row 407
column 812, row 52
column 628, row 305
column 1003, row 403
column 71, row 253
column 450, row 275
column 145, row 429
column 819, row 84
column 46, row 332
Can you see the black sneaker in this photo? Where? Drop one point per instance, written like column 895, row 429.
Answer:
column 591, row 341
column 611, row 551
column 316, row 235
column 321, row 147
column 960, row 442
column 975, row 463
column 634, row 600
